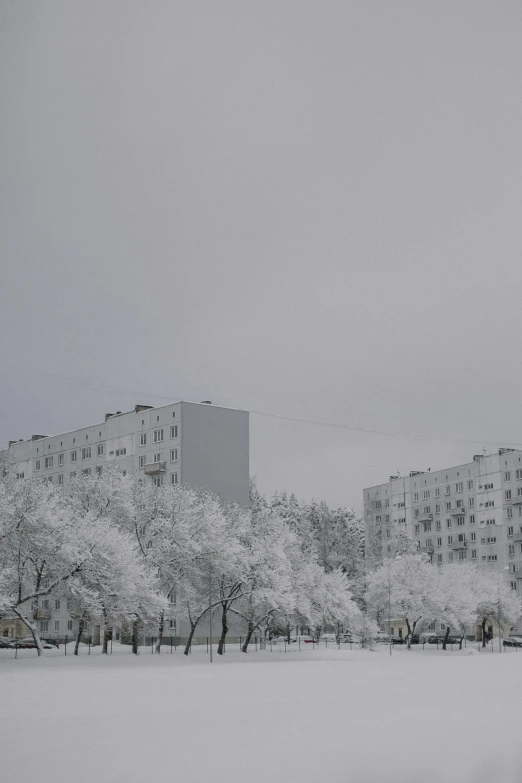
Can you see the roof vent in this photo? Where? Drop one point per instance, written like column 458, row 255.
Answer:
column 139, row 408
column 38, row 437
column 108, row 415
column 206, row 402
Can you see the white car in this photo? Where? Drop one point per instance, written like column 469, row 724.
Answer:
column 329, row 637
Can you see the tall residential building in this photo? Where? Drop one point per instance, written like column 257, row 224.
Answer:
column 199, row 444
column 468, row 512
column 203, row 445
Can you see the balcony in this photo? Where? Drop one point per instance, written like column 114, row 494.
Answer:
column 456, row 512
column 516, row 501
column 429, row 550
column 153, row 468
column 517, row 574
column 517, row 538
column 424, row 518
column 459, row 545
column 43, row 614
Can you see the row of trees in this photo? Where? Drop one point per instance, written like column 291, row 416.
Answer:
column 460, row 595
column 116, row 548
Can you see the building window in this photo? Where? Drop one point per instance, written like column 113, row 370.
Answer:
column 425, row 494
column 99, row 450
column 448, row 506
column 462, row 554
column 511, row 549
column 37, row 465
column 437, row 509
column 143, row 439
column 471, row 502
column 173, row 455
column 450, row 557
column 158, row 436
column 120, row 452
column 157, row 457
column 448, row 490
column 20, row 475
column 57, row 603
column 510, row 531
column 437, row 492
column 459, row 487
column 157, row 481
column 491, row 540
column 507, row 475
column 489, row 503
column 473, row 554
column 427, row 527
column 72, row 474
column 437, row 524
column 415, row 497
column 439, row 541
column 439, row 558
column 488, row 486
column 492, row 558
column 470, row 484
column 450, row 540
column 86, row 452
column 56, row 625
column 472, row 519
column 61, row 459
column 473, row 535
column 99, row 469
column 519, row 474
column 448, row 523
column 459, row 503
column 86, row 472
column 69, row 625
column 141, row 463
column 509, row 513
column 507, row 494
column 73, row 456
column 174, row 478
column 490, row 521
column 460, row 521
column 44, row 626
column 174, row 431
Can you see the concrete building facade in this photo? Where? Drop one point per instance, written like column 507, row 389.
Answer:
column 468, row 512
column 199, row 444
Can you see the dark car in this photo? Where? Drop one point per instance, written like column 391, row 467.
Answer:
column 513, row 641
column 398, row 640
column 54, row 642
column 5, row 642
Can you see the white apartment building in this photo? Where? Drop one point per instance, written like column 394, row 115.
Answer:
column 199, row 444
column 468, row 512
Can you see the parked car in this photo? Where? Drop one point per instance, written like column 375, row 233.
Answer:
column 383, row 638
column 329, row 637
column 513, row 641
column 53, row 642
column 349, row 638
column 303, row 639
column 5, row 642
column 28, row 643
column 428, row 637
column 398, row 640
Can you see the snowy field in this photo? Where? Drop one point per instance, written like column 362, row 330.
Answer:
column 313, row 715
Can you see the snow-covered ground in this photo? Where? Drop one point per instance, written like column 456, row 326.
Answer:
column 313, row 715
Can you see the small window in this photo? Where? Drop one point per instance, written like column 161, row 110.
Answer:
column 174, row 431
column 20, row 475
column 473, row 554
column 450, row 540
column 518, row 474
column 173, row 455
column 73, row 456
column 437, row 492
column 143, row 439
column 470, row 484
column 61, row 459
column 99, row 469
column 459, row 487
column 174, row 478
column 510, row 531
column 507, row 494
column 439, row 541
column 86, row 472
column 157, row 457
column 120, row 452
column 448, row 490
column 37, row 465
column 471, row 502
column 509, row 513
column 437, row 524
column 60, row 478
column 157, row 481
column 449, row 523
column 507, row 475
column 415, row 497
column 473, row 535
column 86, row 452
column 56, row 625
column 141, row 463
column 99, row 450
column 69, row 625
column 450, row 557
column 158, row 436
column 472, row 519
column 57, row 603
column 72, row 474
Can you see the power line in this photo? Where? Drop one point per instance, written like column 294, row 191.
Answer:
column 107, row 389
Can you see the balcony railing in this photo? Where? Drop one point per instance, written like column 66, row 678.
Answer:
column 424, row 518
column 155, row 467
column 43, row 614
column 429, row 550
column 517, row 538
column 455, row 512
column 516, row 500
column 517, row 574
column 459, row 545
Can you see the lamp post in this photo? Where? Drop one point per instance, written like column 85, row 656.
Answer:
column 499, row 576
column 210, row 606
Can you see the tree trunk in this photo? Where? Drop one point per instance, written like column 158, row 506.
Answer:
column 34, row 631
column 410, row 632
column 189, row 639
column 460, row 642
column 160, row 632
column 106, row 633
column 135, row 639
column 484, row 621
column 445, row 640
column 81, row 626
column 248, row 637
column 224, row 629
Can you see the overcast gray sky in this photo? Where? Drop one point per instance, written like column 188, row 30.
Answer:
column 305, row 208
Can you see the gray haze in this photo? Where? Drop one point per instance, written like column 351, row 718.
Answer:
column 306, row 208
